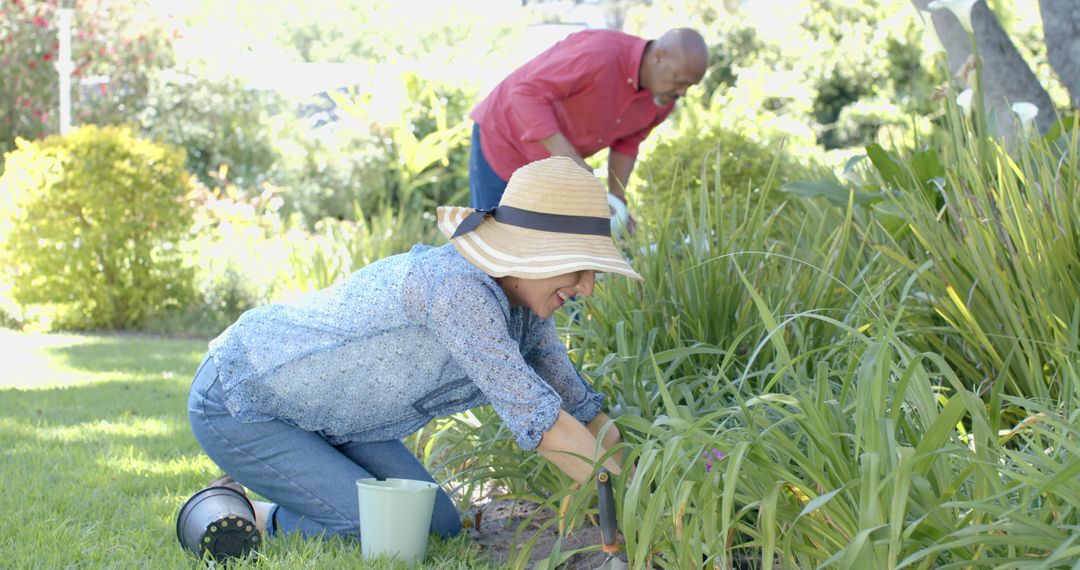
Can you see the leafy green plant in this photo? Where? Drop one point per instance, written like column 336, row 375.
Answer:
column 325, row 176
column 97, row 223
column 337, row 248
column 991, row 232
column 793, row 337
column 429, row 158
column 218, row 122
column 237, row 247
column 709, row 158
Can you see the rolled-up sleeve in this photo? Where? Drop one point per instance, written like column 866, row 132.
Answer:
column 467, row 317
column 549, row 359
column 547, row 80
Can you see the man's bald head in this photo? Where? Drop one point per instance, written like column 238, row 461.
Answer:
column 672, row 63
column 690, row 45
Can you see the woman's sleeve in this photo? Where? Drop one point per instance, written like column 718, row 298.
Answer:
column 467, row 318
column 550, row 360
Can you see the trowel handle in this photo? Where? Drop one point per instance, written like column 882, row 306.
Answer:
column 608, row 528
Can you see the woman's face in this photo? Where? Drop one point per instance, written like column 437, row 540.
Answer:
column 543, row 296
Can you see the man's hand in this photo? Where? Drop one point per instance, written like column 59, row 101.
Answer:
column 619, row 168
column 621, row 218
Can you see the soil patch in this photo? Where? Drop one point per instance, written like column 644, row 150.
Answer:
column 500, row 520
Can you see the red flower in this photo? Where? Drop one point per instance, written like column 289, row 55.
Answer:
column 40, row 21
column 32, row 64
column 103, row 88
column 48, row 56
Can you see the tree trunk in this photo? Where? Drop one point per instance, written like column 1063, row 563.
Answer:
column 1061, row 28
column 1006, row 77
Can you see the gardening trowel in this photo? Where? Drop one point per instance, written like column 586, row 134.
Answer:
column 609, row 531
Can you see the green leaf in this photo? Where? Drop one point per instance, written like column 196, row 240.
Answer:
column 849, row 170
column 890, row 169
column 927, row 165
column 1061, row 127
column 829, row 190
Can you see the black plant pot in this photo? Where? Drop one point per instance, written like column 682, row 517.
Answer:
column 219, row 521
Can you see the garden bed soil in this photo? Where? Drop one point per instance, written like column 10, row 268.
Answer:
column 500, row 520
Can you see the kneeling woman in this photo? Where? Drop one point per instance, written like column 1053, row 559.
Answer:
column 297, row 401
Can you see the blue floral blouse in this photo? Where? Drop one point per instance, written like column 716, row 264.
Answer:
column 404, row 340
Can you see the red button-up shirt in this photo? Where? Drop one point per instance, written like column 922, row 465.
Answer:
column 585, row 86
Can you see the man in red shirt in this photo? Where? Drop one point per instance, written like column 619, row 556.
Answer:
column 596, row 89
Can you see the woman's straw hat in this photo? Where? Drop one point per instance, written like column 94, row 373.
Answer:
column 553, row 219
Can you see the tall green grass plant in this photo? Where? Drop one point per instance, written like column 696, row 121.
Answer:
column 808, row 344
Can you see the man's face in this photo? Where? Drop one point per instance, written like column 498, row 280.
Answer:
column 674, row 75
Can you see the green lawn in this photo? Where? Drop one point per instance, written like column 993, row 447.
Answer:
column 97, row 457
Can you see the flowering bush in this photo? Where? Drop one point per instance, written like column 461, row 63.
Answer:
column 116, row 43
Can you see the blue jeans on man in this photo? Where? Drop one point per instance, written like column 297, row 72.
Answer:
column 485, row 187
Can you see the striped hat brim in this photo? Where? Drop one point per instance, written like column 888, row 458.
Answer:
column 501, row 249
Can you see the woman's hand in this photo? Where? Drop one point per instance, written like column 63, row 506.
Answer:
column 569, row 441
column 612, row 437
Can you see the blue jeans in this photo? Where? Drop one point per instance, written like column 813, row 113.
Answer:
column 312, row 482
column 485, row 187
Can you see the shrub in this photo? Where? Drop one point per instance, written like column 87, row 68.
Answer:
column 675, row 166
column 861, row 121
column 96, row 220
column 328, row 168
column 411, row 163
column 336, row 248
column 217, row 122
column 241, row 247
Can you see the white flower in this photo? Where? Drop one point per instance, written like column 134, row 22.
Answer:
column 931, row 42
column 962, row 9
column 1027, row 113
column 963, row 100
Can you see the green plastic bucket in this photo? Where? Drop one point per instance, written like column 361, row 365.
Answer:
column 395, row 518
